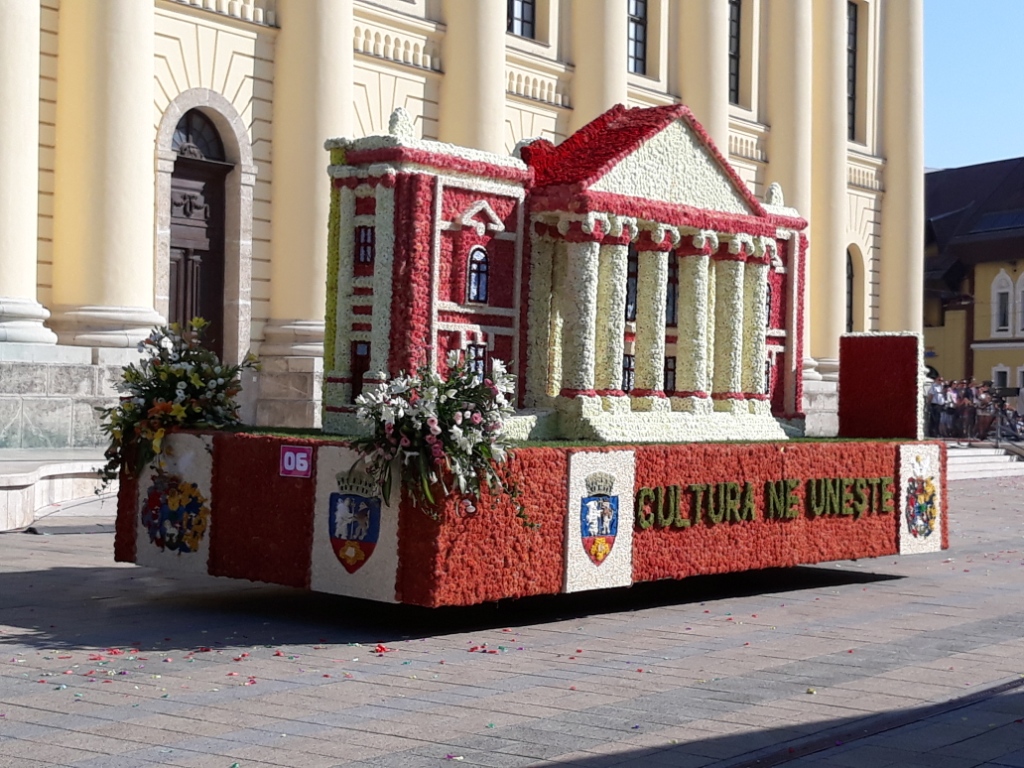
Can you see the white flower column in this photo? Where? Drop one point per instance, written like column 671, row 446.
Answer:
column 542, row 263
column 341, row 394
column 727, row 380
column 578, row 300
column 693, row 347
column 383, row 259
column 755, row 318
column 611, row 324
column 649, row 347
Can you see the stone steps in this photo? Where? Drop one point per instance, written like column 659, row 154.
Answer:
column 31, row 479
column 981, row 460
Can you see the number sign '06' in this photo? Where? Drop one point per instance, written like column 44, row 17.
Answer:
column 296, row 461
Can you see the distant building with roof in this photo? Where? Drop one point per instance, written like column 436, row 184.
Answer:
column 974, row 272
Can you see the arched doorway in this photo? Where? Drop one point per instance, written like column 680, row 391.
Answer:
column 196, row 270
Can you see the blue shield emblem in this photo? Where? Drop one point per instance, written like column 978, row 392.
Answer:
column 354, row 528
column 599, row 524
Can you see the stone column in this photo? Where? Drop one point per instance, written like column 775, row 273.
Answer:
column 104, row 178
column 313, row 92
column 703, row 35
column 21, row 316
column 611, row 320
column 902, row 140
column 829, row 196
column 599, row 41
column 578, row 300
column 692, row 328
column 728, row 371
column 755, row 320
column 649, row 347
column 471, row 112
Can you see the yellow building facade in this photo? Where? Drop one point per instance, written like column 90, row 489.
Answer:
column 163, row 155
column 974, row 272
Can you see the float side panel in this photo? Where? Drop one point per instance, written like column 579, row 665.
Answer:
column 263, row 523
column 127, row 515
column 491, row 555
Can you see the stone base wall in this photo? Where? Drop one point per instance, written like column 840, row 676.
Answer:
column 290, row 392
column 49, row 395
column 821, row 408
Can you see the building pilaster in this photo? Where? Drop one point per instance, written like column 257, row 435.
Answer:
column 727, row 380
column 902, row 139
column 649, row 346
column 599, row 45
column 103, row 237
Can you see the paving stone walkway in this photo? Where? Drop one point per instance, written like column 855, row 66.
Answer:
column 913, row 661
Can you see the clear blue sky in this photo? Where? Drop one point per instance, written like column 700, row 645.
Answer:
column 973, row 81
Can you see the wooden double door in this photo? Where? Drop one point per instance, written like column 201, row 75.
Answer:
column 197, row 246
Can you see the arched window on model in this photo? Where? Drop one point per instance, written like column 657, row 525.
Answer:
column 478, row 268
column 849, row 291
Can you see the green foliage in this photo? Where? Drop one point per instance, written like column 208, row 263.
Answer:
column 180, row 384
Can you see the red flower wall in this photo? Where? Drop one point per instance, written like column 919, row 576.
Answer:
column 878, row 400
column 261, row 524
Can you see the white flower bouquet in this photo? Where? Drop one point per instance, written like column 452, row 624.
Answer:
column 441, row 431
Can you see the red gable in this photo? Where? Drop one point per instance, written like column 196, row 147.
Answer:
column 587, row 155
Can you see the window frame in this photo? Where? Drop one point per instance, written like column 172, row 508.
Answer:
column 520, row 20
column 672, row 293
column 478, row 276
column 476, row 359
column 853, row 78
column 637, row 20
column 670, row 369
column 367, row 248
column 735, row 51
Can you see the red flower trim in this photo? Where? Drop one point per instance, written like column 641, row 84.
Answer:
column 609, row 392
column 438, row 161
column 647, row 393
column 729, row 395
column 570, row 393
column 687, row 393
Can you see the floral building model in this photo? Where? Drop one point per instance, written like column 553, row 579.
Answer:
column 649, row 310
column 634, row 285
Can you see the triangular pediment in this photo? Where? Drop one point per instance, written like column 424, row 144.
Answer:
column 675, row 166
column 480, row 216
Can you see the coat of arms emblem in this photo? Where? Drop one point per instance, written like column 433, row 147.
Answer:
column 354, row 519
column 920, row 509
column 599, row 516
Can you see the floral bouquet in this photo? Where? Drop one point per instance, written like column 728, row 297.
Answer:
column 180, row 384
column 441, row 430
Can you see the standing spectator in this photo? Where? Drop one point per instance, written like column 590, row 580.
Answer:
column 936, row 399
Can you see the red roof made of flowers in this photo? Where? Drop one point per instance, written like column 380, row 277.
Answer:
column 587, row 155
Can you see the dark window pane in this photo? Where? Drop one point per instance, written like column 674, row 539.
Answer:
column 672, row 297
column 360, row 365
column 521, row 15
column 632, row 270
column 628, row 372
column 478, row 269
column 476, row 359
column 366, row 244
column 851, row 70
column 670, row 374
column 849, row 292
column 196, row 137
column 637, row 37
column 734, row 50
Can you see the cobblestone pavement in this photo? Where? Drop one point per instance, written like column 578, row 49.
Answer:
column 913, row 661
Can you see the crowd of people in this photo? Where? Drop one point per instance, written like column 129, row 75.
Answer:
column 968, row 410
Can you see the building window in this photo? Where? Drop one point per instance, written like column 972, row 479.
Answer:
column 735, row 12
column 477, row 276
column 670, row 374
column 1020, row 309
column 628, row 373
column 476, row 360
column 522, row 17
column 1000, row 378
column 851, row 70
column 672, row 299
column 768, row 305
column 360, row 365
column 1003, row 311
column 768, row 377
column 637, row 44
column 849, row 292
column 366, row 244
column 632, row 270
column 196, row 137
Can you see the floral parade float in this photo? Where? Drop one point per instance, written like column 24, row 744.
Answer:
column 574, row 368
